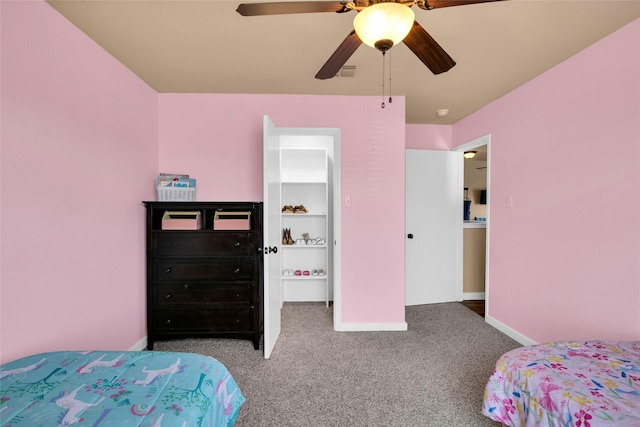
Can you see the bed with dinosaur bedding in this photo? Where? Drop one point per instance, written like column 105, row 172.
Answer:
column 119, row 389
column 567, row 383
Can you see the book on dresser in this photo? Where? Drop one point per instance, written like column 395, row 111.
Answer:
column 204, row 278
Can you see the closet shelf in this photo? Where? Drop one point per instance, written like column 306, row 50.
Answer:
column 305, row 182
column 304, row 246
column 305, row 214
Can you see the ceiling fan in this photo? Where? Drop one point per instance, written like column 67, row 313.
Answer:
column 415, row 36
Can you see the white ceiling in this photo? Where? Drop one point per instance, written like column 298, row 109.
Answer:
column 180, row 46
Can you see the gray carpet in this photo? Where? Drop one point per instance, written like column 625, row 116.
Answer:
column 431, row 375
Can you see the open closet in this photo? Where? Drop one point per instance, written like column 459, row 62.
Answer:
column 301, row 220
column 304, row 218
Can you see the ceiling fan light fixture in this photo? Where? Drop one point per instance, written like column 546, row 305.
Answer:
column 469, row 154
column 384, row 25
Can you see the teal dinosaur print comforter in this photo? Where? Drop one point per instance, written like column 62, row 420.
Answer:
column 118, row 389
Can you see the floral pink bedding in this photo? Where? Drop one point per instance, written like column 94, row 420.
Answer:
column 570, row 383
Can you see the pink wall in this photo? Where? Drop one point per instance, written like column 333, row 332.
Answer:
column 565, row 259
column 224, row 152
column 79, row 152
column 429, row 137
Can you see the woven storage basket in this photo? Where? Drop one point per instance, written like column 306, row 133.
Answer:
column 176, row 194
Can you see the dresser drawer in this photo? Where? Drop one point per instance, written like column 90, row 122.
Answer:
column 168, row 270
column 195, row 320
column 224, row 293
column 204, row 244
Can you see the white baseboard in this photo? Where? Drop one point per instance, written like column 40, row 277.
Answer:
column 369, row 327
column 140, row 345
column 473, row 295
column 511, row 333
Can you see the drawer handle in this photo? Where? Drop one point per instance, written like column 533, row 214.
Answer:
column 167, row 270
column 167, row 296
column 236, row 244
column 168, row 321
column 237, row 271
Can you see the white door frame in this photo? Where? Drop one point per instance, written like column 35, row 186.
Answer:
column 334, row 148
column 479, row 142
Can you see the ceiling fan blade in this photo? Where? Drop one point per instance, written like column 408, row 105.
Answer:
column 339, row 57
column 255, row 9
column 428, row 50
column 437, row 4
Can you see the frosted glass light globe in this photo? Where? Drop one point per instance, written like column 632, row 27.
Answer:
column 384, row 25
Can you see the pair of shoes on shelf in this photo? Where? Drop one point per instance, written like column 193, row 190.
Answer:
column 286, row 237
column 302, row 241
column 310, row 242
column 294, row 209
column 306, row 240
column 301, row 273
column 318, row 272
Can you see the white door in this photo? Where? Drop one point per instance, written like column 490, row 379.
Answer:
column 272, row 237
column 433, row 227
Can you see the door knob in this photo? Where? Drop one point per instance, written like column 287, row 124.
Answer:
column 410, row 236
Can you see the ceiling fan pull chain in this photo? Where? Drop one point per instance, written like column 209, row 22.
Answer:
column 390, row 100
column 382, row 80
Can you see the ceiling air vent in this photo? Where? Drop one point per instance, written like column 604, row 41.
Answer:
column 347, row 71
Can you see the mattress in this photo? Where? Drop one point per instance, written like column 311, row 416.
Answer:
column 106, row 388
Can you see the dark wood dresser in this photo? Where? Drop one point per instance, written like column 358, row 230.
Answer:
column 204, row 282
